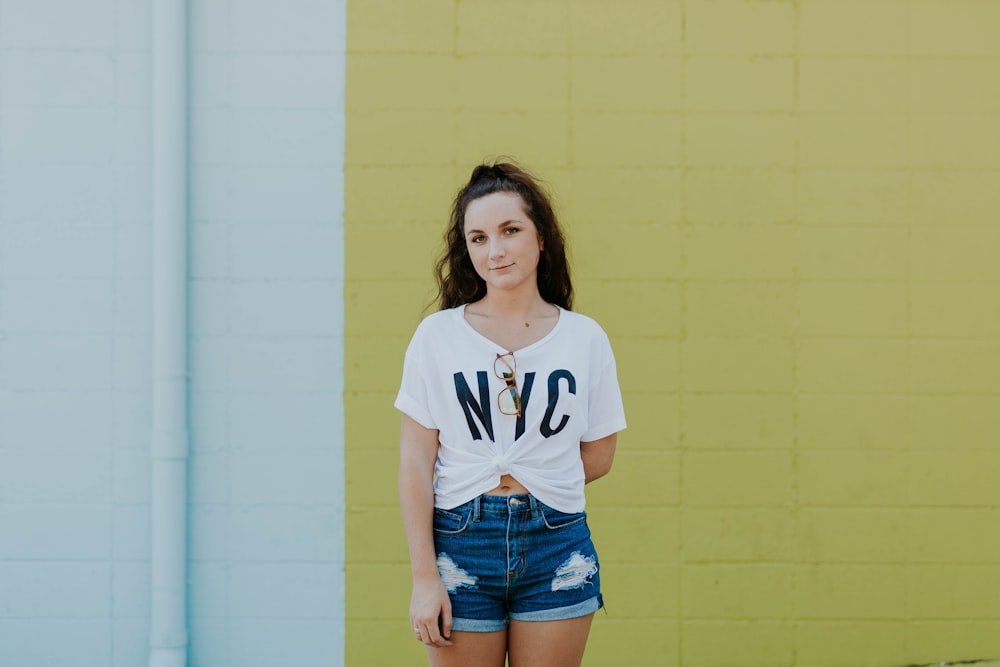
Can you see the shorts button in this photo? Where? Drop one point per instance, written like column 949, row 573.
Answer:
column 515, row 502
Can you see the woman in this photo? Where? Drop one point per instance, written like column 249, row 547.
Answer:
column 510, row 405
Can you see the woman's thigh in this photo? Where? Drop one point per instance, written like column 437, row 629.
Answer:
column 488, row 649
column 548, row 643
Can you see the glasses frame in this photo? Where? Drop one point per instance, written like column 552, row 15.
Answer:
column 509, row 377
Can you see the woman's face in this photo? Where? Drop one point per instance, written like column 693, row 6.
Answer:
column 502, row 241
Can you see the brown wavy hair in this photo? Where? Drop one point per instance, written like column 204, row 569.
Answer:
column 457, row 279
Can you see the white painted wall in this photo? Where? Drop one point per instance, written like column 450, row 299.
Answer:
column 266, row 332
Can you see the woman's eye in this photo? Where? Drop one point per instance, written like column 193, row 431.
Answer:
column 478, row 239
column 512, row 230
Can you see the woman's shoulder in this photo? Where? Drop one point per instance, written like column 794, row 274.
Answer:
column 579, row 324
column 441, row 321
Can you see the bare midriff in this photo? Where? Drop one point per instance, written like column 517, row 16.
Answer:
column 508, row 487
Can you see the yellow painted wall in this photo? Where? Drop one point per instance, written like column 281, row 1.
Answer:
column 785, row 214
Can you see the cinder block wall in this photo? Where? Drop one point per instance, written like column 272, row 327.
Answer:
column 785, row 215
column 266, row 332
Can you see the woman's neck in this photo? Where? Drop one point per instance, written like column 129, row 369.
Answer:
column 512, row 324
column 512, row 306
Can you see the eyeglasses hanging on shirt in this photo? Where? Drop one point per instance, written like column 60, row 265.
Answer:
column 508, row 400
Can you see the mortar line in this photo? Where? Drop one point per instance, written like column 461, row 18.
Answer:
column 115, row 239
column 570, row 152
column 682, row 336
column 796, row 319
column 908, row 358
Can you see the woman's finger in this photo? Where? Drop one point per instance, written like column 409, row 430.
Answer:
column 446, row 620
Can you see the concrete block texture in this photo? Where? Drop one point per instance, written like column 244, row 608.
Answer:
column 265, row 368
column 784, row 215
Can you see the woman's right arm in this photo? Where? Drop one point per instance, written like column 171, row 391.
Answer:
column 418, row 448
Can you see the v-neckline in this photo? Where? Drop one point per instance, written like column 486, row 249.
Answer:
column 493, row 344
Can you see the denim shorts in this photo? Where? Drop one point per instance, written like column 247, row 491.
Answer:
column 513, row 557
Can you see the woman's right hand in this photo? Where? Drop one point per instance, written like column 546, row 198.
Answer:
column 429, row 606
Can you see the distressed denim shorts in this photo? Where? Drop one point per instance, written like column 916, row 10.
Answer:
column 513, row 557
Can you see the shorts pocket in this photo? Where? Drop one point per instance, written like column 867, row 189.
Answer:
column 556, row 520
column 452, row 522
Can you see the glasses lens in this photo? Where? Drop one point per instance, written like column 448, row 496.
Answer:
column 509, row 402
column 504, row 366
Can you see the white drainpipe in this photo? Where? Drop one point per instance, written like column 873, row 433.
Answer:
column 169, row 443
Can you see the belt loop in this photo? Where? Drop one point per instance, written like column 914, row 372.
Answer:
column 475, row 508
column 534, row 506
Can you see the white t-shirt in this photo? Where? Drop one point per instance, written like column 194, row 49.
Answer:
column 569, row 392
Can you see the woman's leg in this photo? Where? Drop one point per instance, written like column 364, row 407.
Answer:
column 548, row 643
column 486, row 649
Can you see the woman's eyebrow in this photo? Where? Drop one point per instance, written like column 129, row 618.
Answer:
column 505, row 223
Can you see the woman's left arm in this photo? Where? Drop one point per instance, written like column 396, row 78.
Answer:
column 598, row 455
